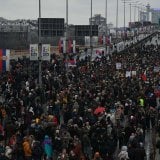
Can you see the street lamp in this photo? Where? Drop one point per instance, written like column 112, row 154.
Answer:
column 39, row 43
column 106, row 33
column 117, row 19
column 124, row 1
column 139, row 7
column 66, row 40
column 131, row 4
column 91, row 47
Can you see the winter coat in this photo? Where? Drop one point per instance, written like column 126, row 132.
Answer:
column 47, row 143
column 123, row 154
column 140, row 153
column 27, row 149
column 8, row 152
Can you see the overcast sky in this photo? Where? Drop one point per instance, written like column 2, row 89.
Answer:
column 79, row 10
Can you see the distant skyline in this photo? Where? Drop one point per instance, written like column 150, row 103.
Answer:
column 79, row 10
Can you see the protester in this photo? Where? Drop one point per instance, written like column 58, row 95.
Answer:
column 82, row 111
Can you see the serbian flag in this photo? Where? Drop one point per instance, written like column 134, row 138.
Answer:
column 4, row 60
column 144, row 76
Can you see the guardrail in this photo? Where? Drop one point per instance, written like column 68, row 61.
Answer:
column 140, row 41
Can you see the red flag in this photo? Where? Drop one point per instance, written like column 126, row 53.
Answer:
column 60, row 45
column 100, row 40
column 107, row 40
column 144, row 76
column 70, row 46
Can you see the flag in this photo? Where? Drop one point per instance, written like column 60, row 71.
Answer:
column 70, row 62
column 4, row 60
column 70, row 46
column 107, row 40
column 74, row 46
column 144, row 76
column 64, row 46
column 100, row 40
column 60, row 46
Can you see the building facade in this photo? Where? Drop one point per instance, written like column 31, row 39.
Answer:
column 97, row 19
column 155, row 15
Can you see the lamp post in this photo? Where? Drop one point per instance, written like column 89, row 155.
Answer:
column 67, row 14
column 106, row 32
column 91, row 47
column 124, row 2
column 39, row 43
column 117, row 19
column 131, row 4
column 66, row 37
column 124, row 26
column 135, row 13
column 130, row 12
column 139, row 9
column 135, row 7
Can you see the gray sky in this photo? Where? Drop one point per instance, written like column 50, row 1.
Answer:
column 79, row 10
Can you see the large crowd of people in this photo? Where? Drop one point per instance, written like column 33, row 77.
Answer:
column 82, row 112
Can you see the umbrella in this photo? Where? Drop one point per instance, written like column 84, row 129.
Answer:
column 99, row 110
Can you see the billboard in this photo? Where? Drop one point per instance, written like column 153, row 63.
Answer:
column 85, row 30
column 51, row 27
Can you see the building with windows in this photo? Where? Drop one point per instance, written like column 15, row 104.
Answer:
column 150, row 14
column 155, row 15
column 97, row 19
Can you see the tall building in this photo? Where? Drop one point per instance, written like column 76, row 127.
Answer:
column 155, row 15
column 97, row 19
column 151, row 14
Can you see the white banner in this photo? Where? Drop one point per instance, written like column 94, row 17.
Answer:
column 33, row 52
column 134, row 73
column 104, row 40
column 156, row 69
column 64, row 46
column 87, row 40
column 74, row 46
column 8, row 60
column 120, row 46
column 94, row 41
column 118, row 65
column 128, row 74
column 46, row 53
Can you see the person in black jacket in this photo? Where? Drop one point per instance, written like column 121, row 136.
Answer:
column 140, row 153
